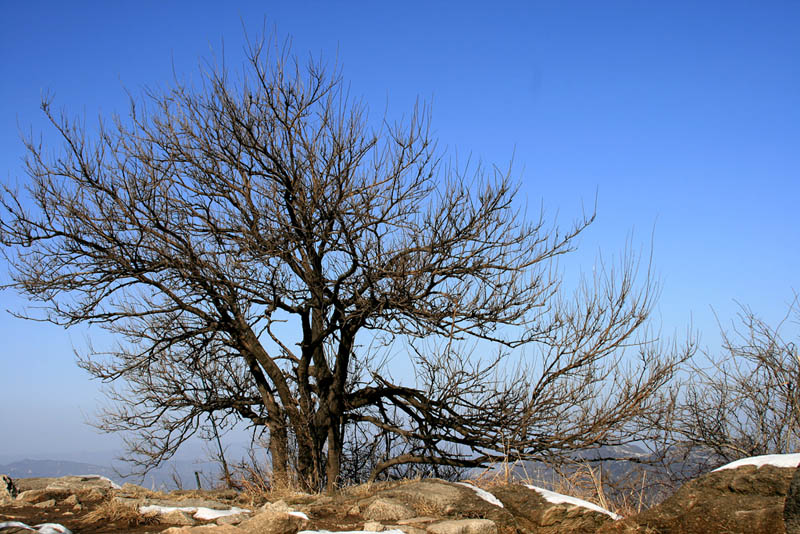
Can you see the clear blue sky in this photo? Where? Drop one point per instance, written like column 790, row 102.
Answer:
column 682, row 117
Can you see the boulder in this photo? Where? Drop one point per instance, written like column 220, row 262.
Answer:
column 205, row 529
column 791, row 506
column 177, row 517
column 8, row 490
column 745, row 500
column 463, row 526
column 273, row 521
column 50, row 503
column 387, row 510
column 534, row 513
column 35, row 496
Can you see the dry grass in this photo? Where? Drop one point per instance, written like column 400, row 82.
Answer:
column 579, row 479
column 114, row 510
column 257, row 484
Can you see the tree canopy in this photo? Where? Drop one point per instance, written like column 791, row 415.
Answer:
column 255, row 244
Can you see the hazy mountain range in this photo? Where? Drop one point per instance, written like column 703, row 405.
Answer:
column 174, row 474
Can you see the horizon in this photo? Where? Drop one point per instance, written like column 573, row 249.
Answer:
column 682, row 121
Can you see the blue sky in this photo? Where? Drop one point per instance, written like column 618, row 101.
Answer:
column 681, row 118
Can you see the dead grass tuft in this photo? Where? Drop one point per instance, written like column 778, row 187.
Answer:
column 114, row 511
column 578, row 479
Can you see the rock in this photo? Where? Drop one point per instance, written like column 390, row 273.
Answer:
column 791, row 507
column 408, row 529
column 46, row 504
column 177, row 517
column 276, row 507
column 92, row 495
column 234, row 519
column 416, row 520
column 8, row 490
column 71, row 500
column 434, row 497
column 382, row 509
column 463, row 526
column 82, row 482
column 533, row 513
column 745, row 500
column 373, row 526
column 271, row 521
column 38, row 495
column 205, row 529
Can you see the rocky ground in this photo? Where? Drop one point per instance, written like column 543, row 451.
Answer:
column 749, row 499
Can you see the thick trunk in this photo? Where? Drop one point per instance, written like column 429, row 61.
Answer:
column 334, row 457
column 279, row 451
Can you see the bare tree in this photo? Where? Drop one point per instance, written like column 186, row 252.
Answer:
column 258, row 249
column 746, row 400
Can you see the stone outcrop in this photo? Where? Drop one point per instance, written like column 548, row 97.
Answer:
column 791, row 506
column 745, row 500
column 402, row 507
column 748, row 499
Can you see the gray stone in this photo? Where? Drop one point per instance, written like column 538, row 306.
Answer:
column 463, row 526
column 387, row 510
column 373, row 526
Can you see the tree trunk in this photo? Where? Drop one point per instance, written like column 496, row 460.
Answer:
column 279, row 451
column 334, row 457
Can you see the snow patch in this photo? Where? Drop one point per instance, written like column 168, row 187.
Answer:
column 776, row 460
column 483, row 494
column 301, row 515
column 558, row 498
column 43, row 528
column 198, row 512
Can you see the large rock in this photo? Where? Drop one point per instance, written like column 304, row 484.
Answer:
column 745, row 500
column 8, row 490
column 534, row 513
column 463, row 526
column 205, row 529
column 791, row 507
column 387, row 510
column 273, row 520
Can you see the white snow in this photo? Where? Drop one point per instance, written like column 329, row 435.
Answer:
column 777, row 460
column 43, row 528
column 301, row 515
column 198, row 512
column 52, row 528
column 558, row 498
column 483, row 494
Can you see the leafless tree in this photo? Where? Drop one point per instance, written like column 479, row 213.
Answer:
column 259, row 251
column 746, row 400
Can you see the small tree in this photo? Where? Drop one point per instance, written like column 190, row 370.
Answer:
column 257, row 249
column 746, row 402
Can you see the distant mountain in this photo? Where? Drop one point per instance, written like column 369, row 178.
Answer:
column 56, row 468
column 174, row 474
